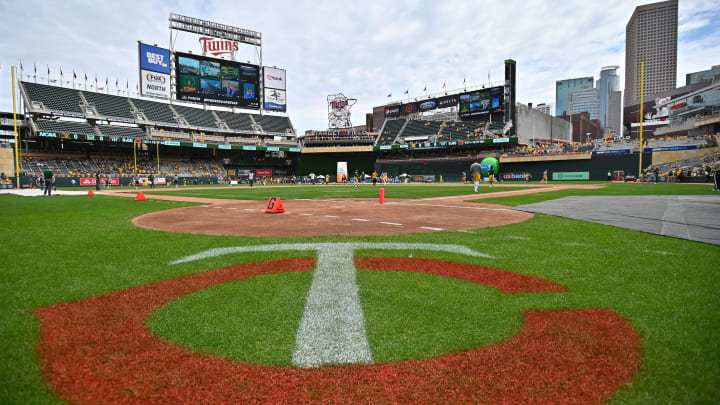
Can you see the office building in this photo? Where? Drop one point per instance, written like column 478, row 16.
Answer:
column 563, row 89
column 544, row 107
column 584, row 100
column 610, row 105
column 705, row 76
column 651, row 36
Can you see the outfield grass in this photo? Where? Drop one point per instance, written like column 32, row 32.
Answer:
column 610, row 189
column 65, row 248
column 330, row 191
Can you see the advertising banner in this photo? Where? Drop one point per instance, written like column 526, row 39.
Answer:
column 571, row 176
column 263, row 172
column 427, row 105
column 513, row 176
column 274, row 78
column 448, row 101
column 154, row 59
column 342, row 171
column 275, row 100
column 408, row 108
column 392, row 111
column 154, row 84
column 90, row 181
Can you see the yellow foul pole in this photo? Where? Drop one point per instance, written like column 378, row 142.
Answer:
column 642, row 103
column 17, row 138
column 157, row 152
column 134, row 159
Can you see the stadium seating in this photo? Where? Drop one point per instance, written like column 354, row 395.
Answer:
column 154, row 111
column 54, row 98
column 421, row 128
column 74, row 165
column 124, row 132
column 65, row 127
column 235, row 121
column 391, row 130
column 109, row 106
column 273, row 123
column 196, row 116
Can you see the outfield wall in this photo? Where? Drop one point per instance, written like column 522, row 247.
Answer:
column 451, row 170
column 326, row 163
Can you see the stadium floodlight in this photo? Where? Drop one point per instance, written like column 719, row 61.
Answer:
column 205, row 27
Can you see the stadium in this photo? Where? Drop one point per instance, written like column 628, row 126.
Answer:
column 459, row 247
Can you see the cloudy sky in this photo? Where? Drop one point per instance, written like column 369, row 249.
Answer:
column 364, row 49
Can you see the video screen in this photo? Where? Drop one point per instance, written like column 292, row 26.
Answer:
column 481, row 102
column 189, row 66
column 209, row 86
column 217, row 81
column 211, row 69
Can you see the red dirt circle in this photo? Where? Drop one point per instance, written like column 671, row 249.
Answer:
column 98, row 351
column 330, row 217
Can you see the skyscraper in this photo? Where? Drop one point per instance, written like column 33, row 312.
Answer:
column 563, row 88
column 584, row 100
column 651, row 36
column 610, row 105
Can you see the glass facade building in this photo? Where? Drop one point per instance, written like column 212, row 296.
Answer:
column 585, row 100
column 563, row 88
column 608, row 82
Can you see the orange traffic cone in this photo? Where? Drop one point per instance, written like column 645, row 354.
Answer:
column 274, row 206
column 140, row 196
column 90, row 192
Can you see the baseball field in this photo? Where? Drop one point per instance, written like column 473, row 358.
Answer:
column 440, row 295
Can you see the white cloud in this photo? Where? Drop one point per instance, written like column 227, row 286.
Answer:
column 364, row 49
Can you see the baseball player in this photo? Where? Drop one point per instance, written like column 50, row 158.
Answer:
column 476, row 170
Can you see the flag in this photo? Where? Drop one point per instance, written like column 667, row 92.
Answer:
column 35, row 66
column 85, row 76
column 74, row 75
column 425, row 89
column 21, row 66
column 389, row 95
column 116, row 82
column 48, row 66
column 106, row 80
column 406, row 91
column 61, row 73
column 127, row 84
column 464, row 79
column 488, row 76
column 443, row 84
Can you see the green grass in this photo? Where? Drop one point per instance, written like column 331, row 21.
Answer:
column 65, row 248
column 331, row 191
column 610, row 189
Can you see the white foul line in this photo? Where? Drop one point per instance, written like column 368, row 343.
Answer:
column 332, row 329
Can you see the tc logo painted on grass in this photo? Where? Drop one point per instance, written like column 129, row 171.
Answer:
column 98, row 350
